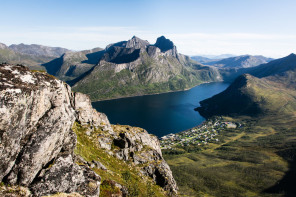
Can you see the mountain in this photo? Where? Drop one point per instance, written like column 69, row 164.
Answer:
column 135, row 67
column 33, row 56
column 254, row 154
column 54, row 142
column 274, row 91
column 33, row 62
column 201, row 59
column 244, row 61
column 73, row 64
column 222, row 56
column 38, row 50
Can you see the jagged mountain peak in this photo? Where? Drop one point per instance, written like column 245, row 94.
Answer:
column 164, row 44
column 136, row 43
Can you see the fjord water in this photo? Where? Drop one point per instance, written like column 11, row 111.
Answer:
column 160, row 114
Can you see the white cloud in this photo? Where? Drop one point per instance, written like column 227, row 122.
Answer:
column 78, row 38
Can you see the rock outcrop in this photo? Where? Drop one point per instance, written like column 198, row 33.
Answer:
column 36, row 138
column 141, row 148
column 166, row 46
column 37, row 141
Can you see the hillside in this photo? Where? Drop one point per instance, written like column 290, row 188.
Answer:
column 73, row 64
column 244, row 61
column 33, row 62
column 250, row 149
column 201, row 59
column 273, row 92
column 134, row 67
column 38, row 50
column 54, row 142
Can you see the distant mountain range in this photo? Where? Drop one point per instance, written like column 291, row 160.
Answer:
column 30, row 55
column 213, row 57
column 38, row 50
column 243, row 61
column 135, row 67
column 271, row 88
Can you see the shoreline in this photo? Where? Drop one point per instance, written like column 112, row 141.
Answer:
column 157, row 93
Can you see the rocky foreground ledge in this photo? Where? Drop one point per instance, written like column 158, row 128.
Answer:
column 39, row 115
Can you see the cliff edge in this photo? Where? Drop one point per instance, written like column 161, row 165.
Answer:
column 44, row 127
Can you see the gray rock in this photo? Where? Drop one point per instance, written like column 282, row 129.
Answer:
column 37, row 142
column 87, row 115
column 66, row 176
column 36, row 121
column 166, row 46
column 138, row 146
column 136, row 43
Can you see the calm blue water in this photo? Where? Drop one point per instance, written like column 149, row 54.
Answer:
column 163, row 113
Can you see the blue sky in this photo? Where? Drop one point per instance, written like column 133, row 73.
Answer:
column 264, row 27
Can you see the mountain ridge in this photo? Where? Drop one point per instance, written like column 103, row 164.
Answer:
column 140, row 68
column 270, row 90
column 242, row 61
column 39, row 50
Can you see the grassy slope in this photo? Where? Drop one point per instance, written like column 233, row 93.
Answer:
column 33, row 62
column 249, row 95
column 246, row 162
column 118, row 170
column 104, row 83
column 256, row 160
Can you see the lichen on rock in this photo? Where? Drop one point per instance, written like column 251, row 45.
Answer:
column 37, row 140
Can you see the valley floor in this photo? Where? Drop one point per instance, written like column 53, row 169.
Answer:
column 256, row 159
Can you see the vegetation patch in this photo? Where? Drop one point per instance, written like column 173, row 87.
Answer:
column 117, row 171
column 253, row 160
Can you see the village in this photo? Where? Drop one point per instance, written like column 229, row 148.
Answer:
column 200, row 135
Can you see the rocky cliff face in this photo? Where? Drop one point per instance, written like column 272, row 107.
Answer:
column 135, row 68
column 37, row 141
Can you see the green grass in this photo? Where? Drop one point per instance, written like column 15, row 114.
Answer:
column 246, row 162
column 137, row 185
